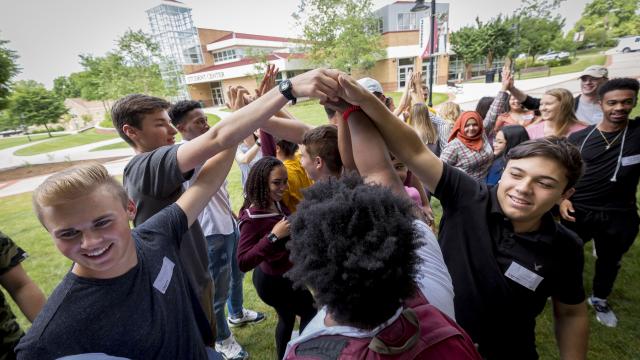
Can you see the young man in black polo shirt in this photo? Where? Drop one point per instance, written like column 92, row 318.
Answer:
column 504, row 251
column 603, row 207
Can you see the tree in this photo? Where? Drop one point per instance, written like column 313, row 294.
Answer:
column 539, row 8
column 603, row 19
column 342, row 34
column 66, row 87
column 8, row 69
column 491, row 40
column 536, row 35
column 466, row 43
column 35, row 105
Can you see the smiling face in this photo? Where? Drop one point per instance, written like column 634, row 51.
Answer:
column 277, row 183
column 589, row 85
column 194, row 124
column 471, row 128
column 155, row 131
column 617, row 105
column 499, row 143
column 529, row 187
column 514, row 104
column 549, row 107
column 93, row 231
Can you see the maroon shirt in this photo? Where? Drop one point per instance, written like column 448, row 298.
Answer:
column 254, row 249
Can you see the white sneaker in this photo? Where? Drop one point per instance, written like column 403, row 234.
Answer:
column 604, row 313
column 231, row 350
column 248, row 317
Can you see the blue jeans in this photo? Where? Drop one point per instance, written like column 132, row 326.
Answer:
column 228, row 284
column 236, row 296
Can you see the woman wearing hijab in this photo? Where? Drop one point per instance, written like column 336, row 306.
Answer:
column 508, row 137
column 468, row 148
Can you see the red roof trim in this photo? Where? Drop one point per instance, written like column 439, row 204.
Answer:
column 249, row 61
column 235, row 35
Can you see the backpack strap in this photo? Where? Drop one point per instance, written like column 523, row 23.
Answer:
column 378, row 346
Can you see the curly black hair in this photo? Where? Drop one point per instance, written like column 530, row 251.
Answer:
column 256, row 188
column 619, row 84
column 178, row 111
column 354, row 246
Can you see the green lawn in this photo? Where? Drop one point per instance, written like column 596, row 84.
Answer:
column 59, row 143
column 118, row 145
column 20, row 140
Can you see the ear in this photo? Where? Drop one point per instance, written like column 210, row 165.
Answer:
column 180, row 127
column 318, row 162
column 130, row 131
column 131, row 210
column 568, row 193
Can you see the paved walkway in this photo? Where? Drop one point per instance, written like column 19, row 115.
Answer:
column 621, row 65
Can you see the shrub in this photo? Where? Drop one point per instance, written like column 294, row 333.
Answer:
column 558, row 62
column 43, row 130
column 106, row 123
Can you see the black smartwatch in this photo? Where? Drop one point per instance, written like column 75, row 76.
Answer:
column 272, row 238
column 285, row 88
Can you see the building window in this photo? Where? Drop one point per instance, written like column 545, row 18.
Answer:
column 225, row 55
column 380, row 26
column 425, row 71
column 407, row 21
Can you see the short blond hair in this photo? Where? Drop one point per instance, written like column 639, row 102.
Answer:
column 449, row 111
column 73, row 183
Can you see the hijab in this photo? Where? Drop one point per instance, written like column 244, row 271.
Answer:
column 474, row 143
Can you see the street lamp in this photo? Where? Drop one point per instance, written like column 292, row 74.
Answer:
column 421, row 6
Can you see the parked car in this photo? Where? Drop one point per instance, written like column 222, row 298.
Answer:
column 554, row 55
column 627, row 44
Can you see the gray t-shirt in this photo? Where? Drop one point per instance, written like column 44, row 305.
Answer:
column 153, row 181
column 145, row 313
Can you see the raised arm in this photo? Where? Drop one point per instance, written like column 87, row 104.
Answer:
column 401, row 139
column 289, row 129
column 229, row 132
column 371, row 155
column 498, row 103
column 527, row 101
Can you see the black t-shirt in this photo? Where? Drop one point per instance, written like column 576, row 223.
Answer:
column 595, row 188
column 146, row 313
column 480, row 248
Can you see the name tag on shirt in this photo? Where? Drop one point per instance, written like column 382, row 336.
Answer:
column 523, row 276
column 164, row 276
column 630, row 160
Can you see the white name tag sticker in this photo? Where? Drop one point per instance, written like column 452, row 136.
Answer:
column 164, row 276
column 523, row 276
column 630, row 160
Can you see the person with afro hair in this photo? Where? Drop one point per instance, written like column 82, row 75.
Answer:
column 374, row 267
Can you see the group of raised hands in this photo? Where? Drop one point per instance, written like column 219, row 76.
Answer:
column 333, row 88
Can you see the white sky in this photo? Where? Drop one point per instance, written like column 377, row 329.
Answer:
column 50, row 34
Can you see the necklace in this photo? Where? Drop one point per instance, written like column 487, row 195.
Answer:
column 609, row 143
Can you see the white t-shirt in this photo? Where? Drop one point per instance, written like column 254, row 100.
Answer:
column 588, row 112
column 433, row 279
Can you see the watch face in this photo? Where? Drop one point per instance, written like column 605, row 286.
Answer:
column 284, row 85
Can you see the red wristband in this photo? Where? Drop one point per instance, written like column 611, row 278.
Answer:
column 350, row 109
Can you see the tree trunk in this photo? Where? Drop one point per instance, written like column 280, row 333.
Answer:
column 48, row 131
column 489, row 61
column 467, row 71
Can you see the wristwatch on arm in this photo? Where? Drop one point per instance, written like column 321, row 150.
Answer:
column 272, row 238
column 286, row 88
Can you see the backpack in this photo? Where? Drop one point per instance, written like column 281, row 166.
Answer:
column 421, row 332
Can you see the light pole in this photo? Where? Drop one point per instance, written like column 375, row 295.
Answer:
column 421, row 6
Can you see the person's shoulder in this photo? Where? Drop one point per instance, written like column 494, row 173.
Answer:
column 10, row 254
column 172, row 216
column 566, row 238
column 580, row 133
